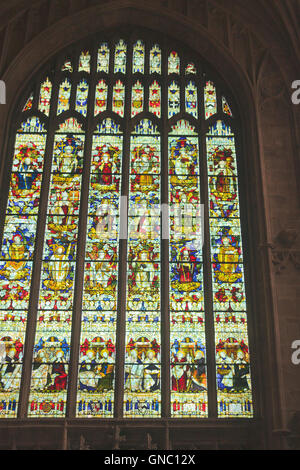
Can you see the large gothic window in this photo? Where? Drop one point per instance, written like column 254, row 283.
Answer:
column 122, row 270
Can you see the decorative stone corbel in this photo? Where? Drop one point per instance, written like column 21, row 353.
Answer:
column 283, row 251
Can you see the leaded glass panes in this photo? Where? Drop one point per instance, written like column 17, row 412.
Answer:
column 103, row 58
column 16, row 259
column 138, row 58
column 187, row 327
column 191, row 99
column 155, row 59
column 122, row 301
column 82, row 97
column 173, row 63
column 173, row 99
column 231, row 335
column 118, row 100
column 95, row 395
column 64, row 94
column 45, row 96
column 100, row 97
column 51, row 351
column 155, row 98
column 120, row 57
column 84, row 62
column 137, row 99
column 143, row 356
column 210, row 99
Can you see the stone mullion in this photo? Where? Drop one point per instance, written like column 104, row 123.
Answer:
column 165, row 310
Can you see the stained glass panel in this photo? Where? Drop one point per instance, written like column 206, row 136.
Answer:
column 84, row 62
column 120, row 57
column 142, row 397
column 98, row 324
column 16, row 258
column 210, row 99
column 187, row 327
column 100, row 97
column 155, row 59
column 226, row 107
column 231, row 335
column 118, row 104
column 103, row 58
column 29, row 103
column 51, row 353
column 138, row 58
column 191, row 99
column 137, row 99
column 173, row 99
column 45, row 97
column 173, row 63
column 82, row 97
column 64, row 94
column 155, row 99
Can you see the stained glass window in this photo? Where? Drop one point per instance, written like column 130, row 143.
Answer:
column 118, row 104
column 173, row 63
column 137, row 99
column 226, row 107
column 82, row 97
column 51, row 351
column 16, row 261
column 155, row 59
column 99, row 307
column 187, row 328
column 64, row 96
column 100, row 97
column 45, row 97
column 191, row 99
column 136, row 313
column 142, row 358
column 120, row 57
column 103, row 58
column 155, row 99
column 229, row 296
column 138, row 58
column 173, row 99
column 84, row 62
column 29, row 102
column 210, row 99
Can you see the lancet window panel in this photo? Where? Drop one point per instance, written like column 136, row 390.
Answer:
column 127, row 319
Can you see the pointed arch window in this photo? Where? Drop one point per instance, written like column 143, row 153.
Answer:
column 122, row 271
